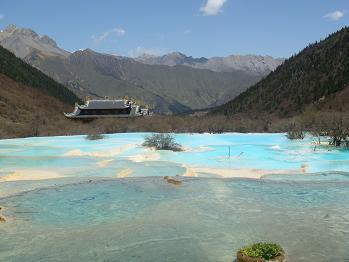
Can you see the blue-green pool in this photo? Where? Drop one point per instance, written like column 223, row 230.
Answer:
column 109, row 201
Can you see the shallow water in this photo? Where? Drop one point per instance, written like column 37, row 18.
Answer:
column 204, row 219
column 74, row 156
column 90, row 215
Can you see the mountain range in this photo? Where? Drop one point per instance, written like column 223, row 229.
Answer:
column 171, row 83
column 253, row 64
column 313, row 83
column 317, row 79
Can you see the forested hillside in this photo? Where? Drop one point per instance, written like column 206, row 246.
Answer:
column 20, row 71
column 314, row 77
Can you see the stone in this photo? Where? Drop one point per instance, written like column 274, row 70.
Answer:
column 172, row 180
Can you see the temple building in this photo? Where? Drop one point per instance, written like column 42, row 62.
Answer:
column 96, row 108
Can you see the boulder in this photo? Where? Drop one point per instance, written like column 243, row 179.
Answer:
column 172, row 180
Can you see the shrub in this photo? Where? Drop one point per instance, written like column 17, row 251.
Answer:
column 94, row 136
column 161, row 142
column 295, row 132
column 333, row 125
column 262, row 250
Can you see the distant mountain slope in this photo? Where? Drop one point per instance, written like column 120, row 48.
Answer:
column 316, row 76
column 171, row 59
column 252, row 64
column 23, row 109
column 20, row 71
column 167, row 89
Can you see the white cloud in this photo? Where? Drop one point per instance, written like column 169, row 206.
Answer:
column 334, row 16
column 2, row 16
column 102, row 37
column 187, row 31
column 119, row 31
column 213, row 7
column 140, row 50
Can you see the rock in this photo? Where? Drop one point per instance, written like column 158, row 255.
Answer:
column 172, row 180
column 2, row 219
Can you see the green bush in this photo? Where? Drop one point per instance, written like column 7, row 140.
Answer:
column 161, row 142
column 263, row 250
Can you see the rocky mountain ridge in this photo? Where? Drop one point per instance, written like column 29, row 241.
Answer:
column 175, row 84
column 254, row 64
column 22, row 42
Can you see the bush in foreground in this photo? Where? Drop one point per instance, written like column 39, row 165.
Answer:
column 261, row 252
column 161, row 142
column 94, row 136
column 295, row 134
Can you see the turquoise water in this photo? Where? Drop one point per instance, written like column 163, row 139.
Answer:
column 91, row 215
column 257, row 151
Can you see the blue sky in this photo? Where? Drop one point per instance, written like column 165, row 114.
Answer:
column 195, row 27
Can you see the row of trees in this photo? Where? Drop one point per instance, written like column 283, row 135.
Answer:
column 335, row 126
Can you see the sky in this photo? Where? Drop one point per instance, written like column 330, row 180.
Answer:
column 200, row 28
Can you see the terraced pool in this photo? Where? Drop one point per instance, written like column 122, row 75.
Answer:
column 70, row 199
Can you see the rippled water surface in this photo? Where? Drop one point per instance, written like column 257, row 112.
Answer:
column 110, row 203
